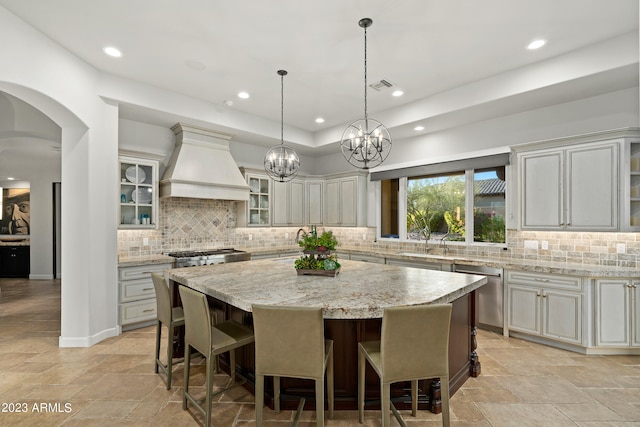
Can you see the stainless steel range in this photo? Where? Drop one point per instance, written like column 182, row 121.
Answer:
column 208, row 257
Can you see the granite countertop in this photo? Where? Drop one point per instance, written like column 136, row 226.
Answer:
column 132, row 261
column 359, row 291
column 580, row 270
column 15, row 242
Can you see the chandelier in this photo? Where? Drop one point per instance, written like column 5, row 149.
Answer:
column 365, row 143
column 281, row 162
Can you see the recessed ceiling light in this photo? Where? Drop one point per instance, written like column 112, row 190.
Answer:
column 397, row 93
column 10, row 178
column 536, row 44
column 243, row 95
column 418, row 127
column 112, row 51
column 319, row 120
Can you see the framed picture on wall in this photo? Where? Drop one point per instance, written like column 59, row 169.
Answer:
column 16, row 211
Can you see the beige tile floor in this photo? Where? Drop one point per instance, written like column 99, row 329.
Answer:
column 113, row 384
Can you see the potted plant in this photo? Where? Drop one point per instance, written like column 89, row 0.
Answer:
column 319, row 258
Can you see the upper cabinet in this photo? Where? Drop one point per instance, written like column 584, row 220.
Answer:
column 259, row 205
column 288, row 203
column 345, row 201
column 138, row 193
column 314, row 193
column 633, row 192
column 574, row 187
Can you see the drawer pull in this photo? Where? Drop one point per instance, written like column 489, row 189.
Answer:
column 147, row 289
column 537, row 279
column 150, row 310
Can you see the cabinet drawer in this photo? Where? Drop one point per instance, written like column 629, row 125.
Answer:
column 544, row 280
column 133, row 290
column 141, row 271
column 138, row 311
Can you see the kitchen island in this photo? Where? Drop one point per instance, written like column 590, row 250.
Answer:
column 353, row 303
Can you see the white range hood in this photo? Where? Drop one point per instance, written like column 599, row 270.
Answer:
column 201, row 166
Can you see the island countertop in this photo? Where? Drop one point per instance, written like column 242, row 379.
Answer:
column 360, row 291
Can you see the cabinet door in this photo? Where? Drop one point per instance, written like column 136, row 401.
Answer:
column 612, row 312
column 592, row 187
column 296, row 203
column 523, row 309
column 541, row 190
column 280, row 215
column 138, row 193
column 332, row 202
column 314, row 202
column 562, row 316
column 348, row 202
column 635, row 313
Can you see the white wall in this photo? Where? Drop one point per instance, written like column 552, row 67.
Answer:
column 66, row 90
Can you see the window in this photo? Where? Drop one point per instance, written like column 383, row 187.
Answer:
column 466, row 205
column 489, row 205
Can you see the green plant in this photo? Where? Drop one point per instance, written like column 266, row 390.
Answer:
column 312, row 242
column 309, row 262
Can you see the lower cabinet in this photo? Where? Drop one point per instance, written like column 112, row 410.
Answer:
column 545, row 305
column 617, row 313
column 136, row 295
column 15, row 261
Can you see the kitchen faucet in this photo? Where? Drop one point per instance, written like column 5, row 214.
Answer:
column 298, row 234
column 443, row 243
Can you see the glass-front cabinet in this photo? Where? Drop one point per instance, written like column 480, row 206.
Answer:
column 634, row 188
column 138, row 193
column 259, row 194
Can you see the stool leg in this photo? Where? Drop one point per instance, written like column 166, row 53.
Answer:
column 158, row 337
column 187, row 365
column 259, row 399
column 414, row 397
column 361, row 368
column 385, row 403
column 330, row 384
column 276, row 394
column 444, row 391
column 170, row 356
column 320, row 402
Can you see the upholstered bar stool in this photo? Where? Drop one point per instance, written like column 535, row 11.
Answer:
column 290, row 343
column 210, row 340
column 169, row 316
column 414, row 345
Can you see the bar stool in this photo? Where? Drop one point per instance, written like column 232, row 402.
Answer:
column 414, row 344
column 210, row 340
column 169, row 316
column 290, row 343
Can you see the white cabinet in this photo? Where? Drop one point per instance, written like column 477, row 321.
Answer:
column 617, row 314
column 545, row 305
column 345, row 201
column 314, row 196
column 633, row 154
column 259, row 205
column 570, row 188
column 288, row 203
column 138, row 193
column 137, row 296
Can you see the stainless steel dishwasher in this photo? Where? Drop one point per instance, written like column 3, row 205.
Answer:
column 489, row 298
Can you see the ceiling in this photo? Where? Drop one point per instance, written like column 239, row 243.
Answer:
column 211, row 50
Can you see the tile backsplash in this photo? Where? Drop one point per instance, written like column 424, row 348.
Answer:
column 204, row 224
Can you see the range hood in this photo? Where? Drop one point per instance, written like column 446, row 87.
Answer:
column 201, row 166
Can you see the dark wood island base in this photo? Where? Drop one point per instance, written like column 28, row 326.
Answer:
column 346, row 333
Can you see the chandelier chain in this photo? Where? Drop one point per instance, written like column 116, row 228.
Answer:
column 365, row 73
column 282, row 108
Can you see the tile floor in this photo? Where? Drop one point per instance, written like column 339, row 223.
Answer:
column 113, row 384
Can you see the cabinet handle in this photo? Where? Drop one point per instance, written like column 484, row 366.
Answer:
column 148, row 310
column 147, row 289
column 537, row 279
column 538, row 294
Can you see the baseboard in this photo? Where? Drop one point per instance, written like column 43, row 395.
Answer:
column 87, row 341
column 40, row 276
